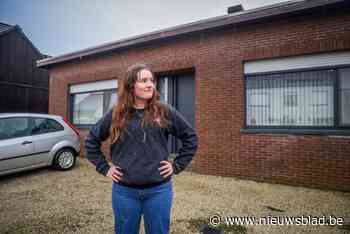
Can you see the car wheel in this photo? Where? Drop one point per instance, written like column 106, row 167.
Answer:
column 65, row 159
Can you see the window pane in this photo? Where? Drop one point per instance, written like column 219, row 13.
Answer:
column 14, row 127
column 163, row 89
column 111, row 99
column 42, row 125
column 345, row 96
column 291, row 99
column 88, row 108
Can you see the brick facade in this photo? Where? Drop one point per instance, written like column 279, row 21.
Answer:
column 217, row 57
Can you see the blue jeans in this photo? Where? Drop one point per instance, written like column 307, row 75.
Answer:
column 130, row 203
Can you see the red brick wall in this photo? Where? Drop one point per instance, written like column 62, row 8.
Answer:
column 316, row 161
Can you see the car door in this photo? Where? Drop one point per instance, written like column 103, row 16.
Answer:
column 16, row 146
column 45, row 134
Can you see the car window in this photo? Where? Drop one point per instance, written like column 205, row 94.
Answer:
column 42, row 125
column 14, row 127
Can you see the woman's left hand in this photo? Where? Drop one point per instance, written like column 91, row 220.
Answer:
column 166, row 169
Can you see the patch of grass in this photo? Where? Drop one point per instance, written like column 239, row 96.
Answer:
column 195, row 224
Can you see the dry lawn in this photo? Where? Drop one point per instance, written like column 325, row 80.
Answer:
column 79, row 201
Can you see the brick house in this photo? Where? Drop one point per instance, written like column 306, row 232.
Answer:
column 267, row 89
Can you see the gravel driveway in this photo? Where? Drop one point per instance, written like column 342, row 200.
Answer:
column 79, row 201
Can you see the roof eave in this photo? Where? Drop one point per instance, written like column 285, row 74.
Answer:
column 203, row 25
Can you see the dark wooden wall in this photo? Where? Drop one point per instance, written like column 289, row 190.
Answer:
column 23, row 86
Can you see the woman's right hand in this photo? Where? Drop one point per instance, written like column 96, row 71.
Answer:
column 115, row 173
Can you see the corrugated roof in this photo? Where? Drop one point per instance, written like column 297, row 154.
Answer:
column 247, row 16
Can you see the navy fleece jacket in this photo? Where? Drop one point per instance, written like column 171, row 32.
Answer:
column 139, row 152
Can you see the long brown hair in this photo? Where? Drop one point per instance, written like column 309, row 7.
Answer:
column 154, row 113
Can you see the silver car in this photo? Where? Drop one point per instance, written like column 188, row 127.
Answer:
column 29, row 141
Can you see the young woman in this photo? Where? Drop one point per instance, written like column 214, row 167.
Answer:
column 138, row 128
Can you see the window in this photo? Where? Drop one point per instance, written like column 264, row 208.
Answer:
column 163, row 89
column 90, row 101
column 14, row 127
column 89, row 107
column 344, row 93
column 290, row 99
column 304, row 99
column 41, row 126
column 110, row 100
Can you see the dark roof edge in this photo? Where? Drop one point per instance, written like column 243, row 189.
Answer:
column 18, row 29
column 10, row 29
column 9, row 25
column 220, row 21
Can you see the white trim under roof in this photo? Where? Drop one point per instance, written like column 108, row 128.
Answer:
column 94, row 86
column 297, row 62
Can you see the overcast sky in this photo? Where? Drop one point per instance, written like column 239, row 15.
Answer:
column 64, row 26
